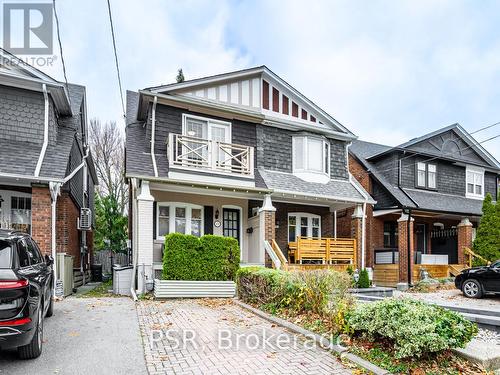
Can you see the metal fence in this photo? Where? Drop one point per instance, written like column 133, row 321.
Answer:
column 104, row 257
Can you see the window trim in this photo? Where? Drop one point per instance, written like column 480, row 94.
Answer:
column 478, row 171
column 325, row 151
column 426, row 182
column 171, row 218
column 299, row 215
column 210, row 121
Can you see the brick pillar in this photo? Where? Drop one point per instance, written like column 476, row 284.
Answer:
column 41, row 217
column 357, row 233
column 144, row 237
column 268, row 221
column 464, row 234
column 403, row 248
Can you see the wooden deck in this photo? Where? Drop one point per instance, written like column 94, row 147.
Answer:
column 388, row 274
column 322, row 251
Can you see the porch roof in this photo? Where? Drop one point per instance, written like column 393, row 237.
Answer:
column 341, row 190
column 432, row 201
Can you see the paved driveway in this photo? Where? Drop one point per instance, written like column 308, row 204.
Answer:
column 219, row 337
column 86, row 336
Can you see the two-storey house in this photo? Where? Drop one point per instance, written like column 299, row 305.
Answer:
column 241, row 154
column 429, row 194
column 46, row 173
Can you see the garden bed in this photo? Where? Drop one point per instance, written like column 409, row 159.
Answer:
column 303, row 299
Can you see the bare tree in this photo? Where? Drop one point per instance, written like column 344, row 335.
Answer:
column 107, row 145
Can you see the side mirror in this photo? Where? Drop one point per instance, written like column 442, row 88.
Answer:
column 49, row 260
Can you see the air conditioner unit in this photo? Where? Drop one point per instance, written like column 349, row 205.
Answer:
column 85, row 219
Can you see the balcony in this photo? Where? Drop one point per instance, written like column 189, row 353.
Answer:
column 205, row 155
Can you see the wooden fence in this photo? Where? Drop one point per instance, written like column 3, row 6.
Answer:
column 104, row 257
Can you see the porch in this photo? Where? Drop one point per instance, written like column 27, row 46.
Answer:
column 433, row 242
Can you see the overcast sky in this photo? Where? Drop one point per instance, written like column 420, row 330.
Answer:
column 387, row 70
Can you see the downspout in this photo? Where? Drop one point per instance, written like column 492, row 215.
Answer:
column 45, row 132
column 55, row 189
column 133, row 183
column 153, row 125
column 84, row 205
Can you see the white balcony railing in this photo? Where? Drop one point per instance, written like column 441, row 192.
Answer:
column 204, row 154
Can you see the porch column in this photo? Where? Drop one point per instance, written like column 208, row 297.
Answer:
column 464, row 234
column 403, row 239
column 268, row 221
column 144, row 237
column 357, row 234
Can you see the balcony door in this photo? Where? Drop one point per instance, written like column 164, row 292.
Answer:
column 206, row 129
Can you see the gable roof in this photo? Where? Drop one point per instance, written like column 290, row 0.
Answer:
column 17, row 73
column 485, row 158
column 257, row 92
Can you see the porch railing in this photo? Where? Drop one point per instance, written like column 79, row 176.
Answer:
column 197, row 153
column 324, row 250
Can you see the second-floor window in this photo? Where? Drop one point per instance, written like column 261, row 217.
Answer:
column 426, row 175
column 311, row 155
column 474, row 182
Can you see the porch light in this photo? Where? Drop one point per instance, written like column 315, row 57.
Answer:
column 216, row 214
column 191, row 133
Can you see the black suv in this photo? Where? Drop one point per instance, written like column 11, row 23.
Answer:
column 26, row 293
column 477, row 281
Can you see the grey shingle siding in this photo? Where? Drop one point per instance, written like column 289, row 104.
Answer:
column 274, row 149
column 383, row 198
column 22, row 116
column 490, row 184
column 338, row 161
column 75, row 185
column 388, row 167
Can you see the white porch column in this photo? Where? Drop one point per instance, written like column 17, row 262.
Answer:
column 144, row 237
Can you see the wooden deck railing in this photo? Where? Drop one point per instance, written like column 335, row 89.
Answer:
column 470, row 255
column 324, row 250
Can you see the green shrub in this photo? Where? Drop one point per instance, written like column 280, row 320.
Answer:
column 415, row 327
column 299, row 291
column 187, row 257
column 364, row 279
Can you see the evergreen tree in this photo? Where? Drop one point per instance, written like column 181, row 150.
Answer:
column 180, row 76
column 487, row 242
column 364, row 279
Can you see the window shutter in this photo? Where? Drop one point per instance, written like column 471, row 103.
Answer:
column 155, row 208
column 208, row 219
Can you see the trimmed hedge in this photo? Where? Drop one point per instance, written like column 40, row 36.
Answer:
column 209, row 258
column 415, row 327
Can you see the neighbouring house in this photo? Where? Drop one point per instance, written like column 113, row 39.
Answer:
column 240, row 154
column 429, row 194
column 47, row 176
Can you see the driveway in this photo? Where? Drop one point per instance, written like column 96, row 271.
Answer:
column 86, row 336
column 208, row 336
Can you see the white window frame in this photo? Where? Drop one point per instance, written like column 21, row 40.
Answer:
column 426, row 171
column 298, row 216
column 305, row 173
column 474, row 171
column 171, row 217
column 210, row 123
column 6, row 212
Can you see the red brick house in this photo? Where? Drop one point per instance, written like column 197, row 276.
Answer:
column 47, row 175
column 429, row 194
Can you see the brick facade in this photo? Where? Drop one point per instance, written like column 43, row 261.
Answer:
column 464, row 239
column 403, row 248
column 41, row 221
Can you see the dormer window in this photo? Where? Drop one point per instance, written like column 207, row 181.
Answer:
column 426, row 175
column 474, row 182
column 311, row 158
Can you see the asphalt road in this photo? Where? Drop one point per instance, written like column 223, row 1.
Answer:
column 86, row 336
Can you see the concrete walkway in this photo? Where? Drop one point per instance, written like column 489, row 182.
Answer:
column 218, row 337
column 86, row 336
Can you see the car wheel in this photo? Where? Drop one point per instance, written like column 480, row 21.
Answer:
column 472, row 289
column 34, row 348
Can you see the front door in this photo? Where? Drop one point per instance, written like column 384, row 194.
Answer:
column 231, row 223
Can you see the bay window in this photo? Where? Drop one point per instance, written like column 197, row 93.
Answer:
column 304, row 225
column 311, row 155
column 176, row 217
column 474, row 182
column 426, row 175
